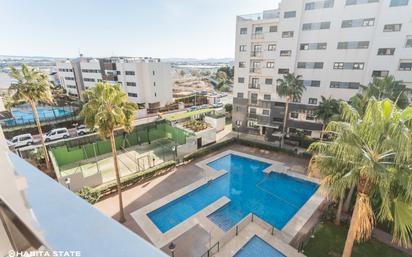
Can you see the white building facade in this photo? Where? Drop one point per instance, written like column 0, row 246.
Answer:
column 335, row 45
column 147, row 81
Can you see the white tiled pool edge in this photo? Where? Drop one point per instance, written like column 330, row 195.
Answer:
column 160, row 239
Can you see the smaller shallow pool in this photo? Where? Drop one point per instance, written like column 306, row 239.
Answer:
column 257, row 247
column 25, row 115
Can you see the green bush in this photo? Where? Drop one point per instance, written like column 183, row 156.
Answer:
column 89, row 194
column 209, row 149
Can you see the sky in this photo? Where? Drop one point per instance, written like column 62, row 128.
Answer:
column 157, row 28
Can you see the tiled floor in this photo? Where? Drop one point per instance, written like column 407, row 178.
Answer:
column 191, row 244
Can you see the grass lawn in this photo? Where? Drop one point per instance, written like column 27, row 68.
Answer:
column 329, row 241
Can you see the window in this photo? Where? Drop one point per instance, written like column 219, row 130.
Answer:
column 294, row 115
column 265, row 112
column 290, row 14
column 347, row 85
column 283, row 71
column 405, row 65
column 129, row 72
column 243, row 31
column 313, row 101
column 358, row 23
column 348, row 65
column 311, row 83
column 273, row 29
column 398, row 3
column 310, row 65
column 66, row 70
column 240, row 80
column 408, row 42
column 242, row 48
column 316, row 25
column 285, row 52
column 313, row 46
column 239, row 95
column 319, row 5
column 253, row 98
column 392, row 27
column 70, row 86
column 239, row 123
column 154, row 84
column 354, row 2
column 272, row 47
column 155, row 94
column 287, row 34
column 380, row 73
column 258, row 30
column 132, row 94
column 154, row 73
column 88, row 80
column 68, row 78
column 270, row 65
column 130, row 84
column 386, row 51
column 266, row 97
column 309, row 116
column 90, row 71
column 268, row 81
column 353, row 45
column 242, row 64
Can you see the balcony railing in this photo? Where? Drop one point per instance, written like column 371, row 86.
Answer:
column 254, row 86
column 265, row 15
column 258, row 36
column 256, row 54
column 255, row 70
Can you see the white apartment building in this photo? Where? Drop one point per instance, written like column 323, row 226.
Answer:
column 335, row 45
column 147, row 81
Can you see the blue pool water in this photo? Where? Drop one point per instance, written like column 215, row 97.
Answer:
column 273, row 197
column 25, row 116
column 257, row 247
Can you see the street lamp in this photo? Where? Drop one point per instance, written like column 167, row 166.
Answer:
column 172, row 247
column 238, row 130
column 67, row 181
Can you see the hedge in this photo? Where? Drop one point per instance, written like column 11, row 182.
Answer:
column 207, row 150
column 92, row 195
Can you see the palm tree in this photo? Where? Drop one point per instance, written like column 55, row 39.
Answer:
column 386, row 87
column 107, row 109
column 291, row 87
column 327, row 110
column 372, row 152
column 32, row 87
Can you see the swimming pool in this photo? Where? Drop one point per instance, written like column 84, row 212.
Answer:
column 257, row 247
column 23, row 116
column 274, row 197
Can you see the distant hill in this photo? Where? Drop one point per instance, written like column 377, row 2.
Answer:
column 198, row 61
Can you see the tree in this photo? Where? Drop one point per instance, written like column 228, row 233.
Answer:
column 327, row 110
column 373, row 153
column 107, row 109
column 228, row 108
column 32, row 87
column 291, row 87
column 381, row 88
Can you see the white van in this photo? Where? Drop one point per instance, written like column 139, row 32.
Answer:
column 55, row 134
column 22, row 140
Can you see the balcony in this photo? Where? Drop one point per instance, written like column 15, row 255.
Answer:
column 252, row 116
column 254, row 86
column 256, row 54
column 258, row 36
column 267, row 121
column 256, row 70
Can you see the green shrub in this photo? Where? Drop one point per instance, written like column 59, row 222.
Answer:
column 89, row 194
column 209, row 149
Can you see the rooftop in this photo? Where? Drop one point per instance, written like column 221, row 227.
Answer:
column 265, row 15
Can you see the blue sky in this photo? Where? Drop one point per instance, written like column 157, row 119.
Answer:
column 158, row 28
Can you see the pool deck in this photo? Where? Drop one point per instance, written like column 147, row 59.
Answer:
column 160, row 239
column 247, row 233
column 196, row 240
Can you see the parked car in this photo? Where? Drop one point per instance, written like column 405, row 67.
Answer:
column 55, row 134
column 83, row 130
column 218, row 105
column 193, row 108
column 22, row 140
column 204, row 106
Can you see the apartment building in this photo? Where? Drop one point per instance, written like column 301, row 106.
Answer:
column 147, row 81
column 335, row 45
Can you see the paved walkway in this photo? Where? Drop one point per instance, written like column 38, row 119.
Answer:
column 190, row 243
